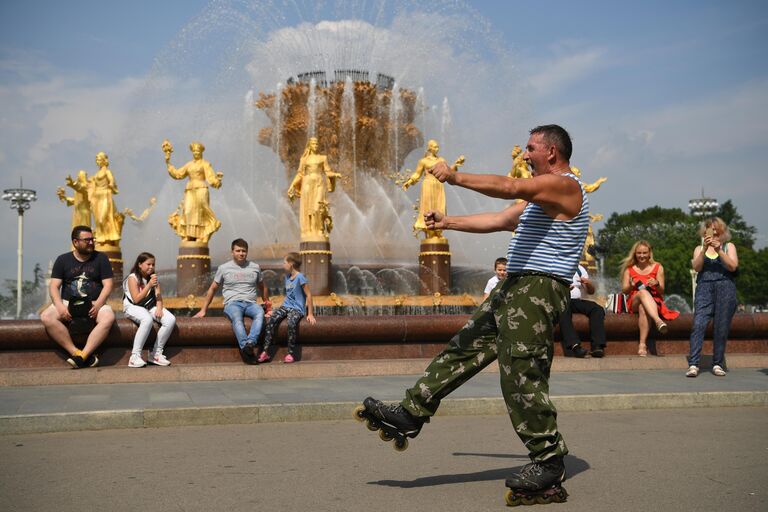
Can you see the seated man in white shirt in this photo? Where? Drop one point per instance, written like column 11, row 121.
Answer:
column 500, row 269
column 595, row 313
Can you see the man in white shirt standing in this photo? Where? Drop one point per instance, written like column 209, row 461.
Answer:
column 580, row 286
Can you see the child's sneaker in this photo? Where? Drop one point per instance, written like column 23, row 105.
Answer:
column 158, row 359
column 693, row 371
column 136, row 361
column 263, row 357
column 718, row 370
column 288, row 359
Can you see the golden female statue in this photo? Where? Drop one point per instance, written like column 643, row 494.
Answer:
column 314, row 180
column 107, row 220
column 432, row 196
column 194, row 221
column 81, row 205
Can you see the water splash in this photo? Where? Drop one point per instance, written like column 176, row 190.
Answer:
column 312, row 108
column 349, row 132
column 445, row 122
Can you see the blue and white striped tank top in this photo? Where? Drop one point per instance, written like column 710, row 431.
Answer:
column 543, row 244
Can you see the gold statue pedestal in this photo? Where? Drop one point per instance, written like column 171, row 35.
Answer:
column 316, row 265
column 115, row 256
column 193, row 268
column 434, row 266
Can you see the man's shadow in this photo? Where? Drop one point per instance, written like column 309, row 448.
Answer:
column 573, row 466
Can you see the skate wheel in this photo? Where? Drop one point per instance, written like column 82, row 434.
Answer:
column 371, row 426
column 528, row 501
column 542, row 500
column 384, row 436
column 511, row 499
column 401, row 446
column 358, row 413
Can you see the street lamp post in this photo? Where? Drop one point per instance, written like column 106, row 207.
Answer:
column 20, row 199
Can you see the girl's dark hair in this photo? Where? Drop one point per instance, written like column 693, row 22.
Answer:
column 294, row 259
column 141, row 258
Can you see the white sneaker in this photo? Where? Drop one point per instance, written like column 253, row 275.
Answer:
column 693, row 371
column 158, row 359
column 718, row 370
column 136, row 361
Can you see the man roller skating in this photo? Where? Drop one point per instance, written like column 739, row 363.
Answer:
column 515, row 323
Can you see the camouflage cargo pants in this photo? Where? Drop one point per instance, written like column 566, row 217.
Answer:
column 514, row 324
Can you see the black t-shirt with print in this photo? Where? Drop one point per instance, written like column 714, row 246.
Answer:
column 81, row 278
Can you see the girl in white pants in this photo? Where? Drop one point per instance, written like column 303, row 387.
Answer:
column 143, row 303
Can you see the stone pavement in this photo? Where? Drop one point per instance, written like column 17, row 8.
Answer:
column 27, row 409
column 666, row 460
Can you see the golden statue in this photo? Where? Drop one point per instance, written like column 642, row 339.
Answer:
column 519, row 166
column 432, row 196
column 194, row 220
column 81, row 211
column 313, row 181
column 141, row 218
column 107, row 220
column 587, row 256
column 589, row 187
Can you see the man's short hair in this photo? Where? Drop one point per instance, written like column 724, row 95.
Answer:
column 499, row 261
column 239, row 242
column 557, row 136
column 80, row 229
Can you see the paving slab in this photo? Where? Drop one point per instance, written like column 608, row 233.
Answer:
column 44, row 408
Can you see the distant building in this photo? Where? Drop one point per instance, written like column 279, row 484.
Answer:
column 703, row 207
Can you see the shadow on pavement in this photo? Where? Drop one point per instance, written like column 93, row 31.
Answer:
column 573, row 465
column 491, row 455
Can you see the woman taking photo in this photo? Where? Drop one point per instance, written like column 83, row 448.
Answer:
column 642, row 279
column 716, row 262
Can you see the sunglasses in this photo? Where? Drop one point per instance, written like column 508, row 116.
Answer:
column 86, row 240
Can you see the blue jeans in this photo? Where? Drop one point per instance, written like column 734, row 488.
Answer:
column 238, row 309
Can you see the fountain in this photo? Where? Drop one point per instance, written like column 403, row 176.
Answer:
column 373, row 68
column 363, row 79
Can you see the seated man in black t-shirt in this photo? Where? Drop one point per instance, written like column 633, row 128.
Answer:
column 81, row 282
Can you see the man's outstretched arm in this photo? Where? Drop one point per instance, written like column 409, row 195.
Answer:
column 505, row 220
column 548, row 190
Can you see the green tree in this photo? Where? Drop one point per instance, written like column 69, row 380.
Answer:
column 743, row 234
column 753, row 269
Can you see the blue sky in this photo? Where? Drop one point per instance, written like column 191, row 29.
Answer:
column 663, row 98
